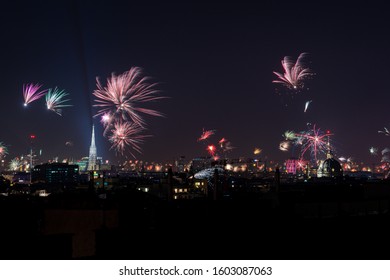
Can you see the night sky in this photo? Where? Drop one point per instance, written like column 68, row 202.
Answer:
column 214, row 60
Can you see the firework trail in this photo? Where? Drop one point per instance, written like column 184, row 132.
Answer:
column 294, row 72
column 123, row 93
column 126, row 134
column 307, row 105
column 385, row 131
column 54, row 100
column 206, row 134
column 31, row 93
column 342, row 159
column 257, row 151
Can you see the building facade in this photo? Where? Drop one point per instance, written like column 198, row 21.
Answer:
column 54, row 173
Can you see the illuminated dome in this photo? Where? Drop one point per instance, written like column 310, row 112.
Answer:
column 208, row 173
column 330, row 168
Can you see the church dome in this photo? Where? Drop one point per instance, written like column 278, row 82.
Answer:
column 330, row 168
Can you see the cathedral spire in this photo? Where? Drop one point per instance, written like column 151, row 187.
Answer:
column 92, row 152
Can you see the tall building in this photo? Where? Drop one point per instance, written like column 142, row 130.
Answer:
column 92, row 152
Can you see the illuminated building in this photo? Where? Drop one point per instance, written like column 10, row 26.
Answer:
column 291, row 166
column 82, row 163
column 92, row 163
column 329, row 168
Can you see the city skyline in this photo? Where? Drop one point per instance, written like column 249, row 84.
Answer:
column 214, row 62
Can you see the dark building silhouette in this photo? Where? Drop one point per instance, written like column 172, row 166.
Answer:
column 52, row 173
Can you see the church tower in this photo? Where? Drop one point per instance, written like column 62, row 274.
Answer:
column 92, row 152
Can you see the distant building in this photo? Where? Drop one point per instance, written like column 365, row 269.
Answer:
column 180, row 164
column 83, row 164
column 53, row 173
column 200, row 163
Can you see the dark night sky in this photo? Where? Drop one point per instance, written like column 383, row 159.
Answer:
column 213, row 60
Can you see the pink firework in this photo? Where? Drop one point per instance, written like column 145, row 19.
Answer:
column 122, row 95
column 294, row 72
column 206, row 134
column 125, row 134
column 315, row 141
column 31, row 93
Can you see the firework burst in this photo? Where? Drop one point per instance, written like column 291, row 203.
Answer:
column 284, row 146
column 126, row 135
column 315, row 141
column 206, row 134
column 3, row 150
column 257, row 151
column 31, row 93
column 55, row 102
column 211, row 150
column 123, row 93
column 294, row 72
column 218, row 150
column 373, row 151
column 15, row 164
column 289, row 135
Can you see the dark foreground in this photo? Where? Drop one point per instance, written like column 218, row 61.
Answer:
column 326, row 223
